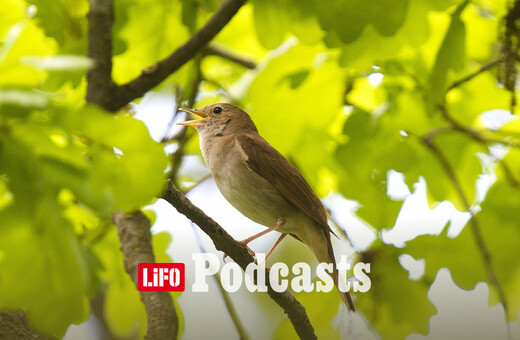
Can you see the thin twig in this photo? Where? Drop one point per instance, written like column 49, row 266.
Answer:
column 475, row 227
column 200, row 181
column 231, row 56
column 475, row 134
column 221, row 87
column 460, row 127
column 225, row 295
column 472, row 75
column 509, row 174
column 178, row 100
column 437, row 131
column 231, row 310
column 162, row 69
column 224, row 242
column 184, row 135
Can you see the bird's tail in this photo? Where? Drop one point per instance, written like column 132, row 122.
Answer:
column 347, row 299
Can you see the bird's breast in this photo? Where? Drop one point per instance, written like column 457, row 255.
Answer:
column 249, row 192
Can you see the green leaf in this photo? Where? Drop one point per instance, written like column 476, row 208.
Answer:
column 461, row 153
column 273, row 19
column 481, row 33
column 499, row 230
column 287, row 105
column 113, row 180
column 302, row 21
column 510, row 171
column 52, row 16
column 376, row 45
column 146, row 39
column 123, row 310
column 387, row 16
column 346, row 19
column 267, row 23
column 471, row 99
column 366, row 181
column 160, row 243
column 23, row 39
column 49, row 270
column 321, row 308
column 395, row 305
column 451, row 55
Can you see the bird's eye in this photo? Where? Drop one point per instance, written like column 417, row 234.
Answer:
column 217, row 110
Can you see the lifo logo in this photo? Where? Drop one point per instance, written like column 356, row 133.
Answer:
column 161, row 277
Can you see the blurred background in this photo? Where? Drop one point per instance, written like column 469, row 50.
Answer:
column 401, row 115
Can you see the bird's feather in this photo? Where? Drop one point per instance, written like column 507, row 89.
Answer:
column 266, row 161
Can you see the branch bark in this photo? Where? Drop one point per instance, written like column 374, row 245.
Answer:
column 99, row 78
column 162, row 69
column 14, row 325
column 136, row 244
column 224, row 242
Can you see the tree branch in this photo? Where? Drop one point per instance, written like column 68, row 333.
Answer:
column 224, row 242
column 162, row 69
column 224, row 53
column 134, row 229
column 14, row 325
column 99, row 78
column 136, row 245
column 475, row 227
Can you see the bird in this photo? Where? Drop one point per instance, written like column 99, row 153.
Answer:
column 261, row 183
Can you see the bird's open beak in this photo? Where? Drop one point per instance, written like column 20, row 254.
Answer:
column 195, row 112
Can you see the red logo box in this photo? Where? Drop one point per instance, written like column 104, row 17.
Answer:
column 161, row 277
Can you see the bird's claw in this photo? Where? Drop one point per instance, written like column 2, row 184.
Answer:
column 243, row 244
column 249, row 250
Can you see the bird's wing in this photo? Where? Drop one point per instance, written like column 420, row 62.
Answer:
column 266, row 161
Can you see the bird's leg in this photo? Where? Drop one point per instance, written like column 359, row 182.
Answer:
column 280, row 222
column 280, row 239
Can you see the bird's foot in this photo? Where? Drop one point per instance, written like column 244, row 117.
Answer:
column 244, row 244
column 224, row 257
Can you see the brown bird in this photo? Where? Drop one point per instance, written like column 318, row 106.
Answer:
column 260, row 183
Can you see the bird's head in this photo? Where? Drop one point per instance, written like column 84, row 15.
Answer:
column 220, row 119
